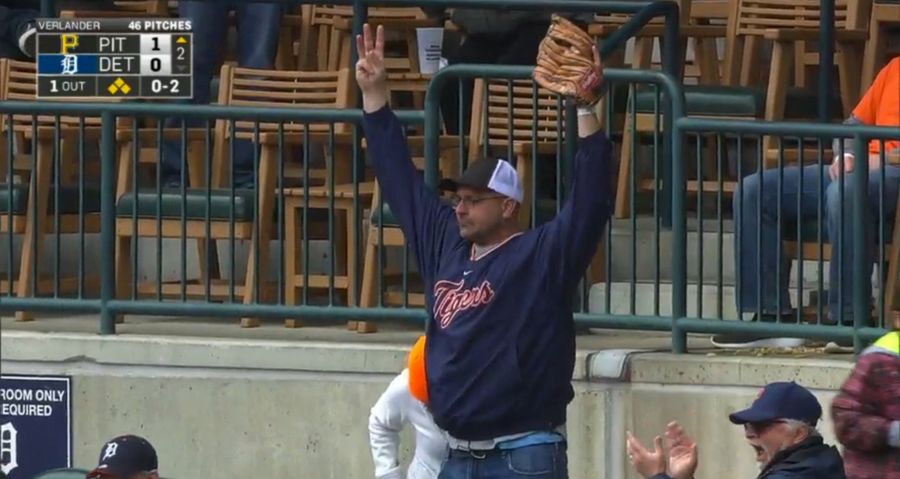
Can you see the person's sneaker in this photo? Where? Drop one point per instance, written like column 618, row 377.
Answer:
column 759, row 340
column 753, row 341
column 28, row 41
column 841, row 346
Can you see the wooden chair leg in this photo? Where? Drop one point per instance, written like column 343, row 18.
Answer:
column 206, row 248
column 616, row 60
column 35, row 225
column 291, row 243
column 366, row 327
column 284, row 56
column 751, row 56
column 524, row 166
column 707, row 58
column 352, row 260
column 800, row 71
column 369, row 277
column 258, row 260
column 849, row 64
column 597, row 269
column 623, row 185
column 124, row 272
column 873, row 55
column 643, row 57
column 779, row 78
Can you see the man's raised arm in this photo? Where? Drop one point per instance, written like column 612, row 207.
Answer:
column 428, row 225
column 580, row 224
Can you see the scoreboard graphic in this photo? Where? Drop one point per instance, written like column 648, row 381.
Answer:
column 114, row 58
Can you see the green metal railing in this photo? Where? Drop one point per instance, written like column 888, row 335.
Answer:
column 679, row 322
column 671, row 203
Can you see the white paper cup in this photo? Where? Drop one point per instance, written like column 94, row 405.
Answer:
column 430, row 41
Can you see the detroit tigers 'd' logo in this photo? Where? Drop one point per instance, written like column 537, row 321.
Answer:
column 450, row 298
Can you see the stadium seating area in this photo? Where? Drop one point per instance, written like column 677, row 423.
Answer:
column 745, row 59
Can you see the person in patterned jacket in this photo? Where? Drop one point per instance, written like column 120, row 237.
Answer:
column 866, row 412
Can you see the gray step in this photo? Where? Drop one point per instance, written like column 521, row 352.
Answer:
column 647, row 300
column 635, row 243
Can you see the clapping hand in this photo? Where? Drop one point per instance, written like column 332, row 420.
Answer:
column 646, row 462
column 682, row 463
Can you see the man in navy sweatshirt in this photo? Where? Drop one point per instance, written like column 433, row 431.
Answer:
column 501, row 346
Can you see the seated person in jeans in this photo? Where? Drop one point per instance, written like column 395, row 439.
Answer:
column 757, row 242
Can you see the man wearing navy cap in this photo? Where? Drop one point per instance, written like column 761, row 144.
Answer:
column 126, row 457
column 780, row 426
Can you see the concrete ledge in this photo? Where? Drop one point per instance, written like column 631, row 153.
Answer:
column 201, row 352
column 213, row 353
column 716, row 370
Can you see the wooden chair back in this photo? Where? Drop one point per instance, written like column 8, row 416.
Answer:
column 279, row 89
column 751, row 19
column 504, row 115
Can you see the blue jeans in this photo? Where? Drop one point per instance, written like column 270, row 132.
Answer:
column 758, row 246
column 542, row 461
column 257, row 42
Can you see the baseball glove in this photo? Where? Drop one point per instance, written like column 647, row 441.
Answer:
column 566, row 63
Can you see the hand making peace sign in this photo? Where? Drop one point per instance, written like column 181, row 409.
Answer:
column 370, row 72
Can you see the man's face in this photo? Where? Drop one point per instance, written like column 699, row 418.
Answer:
column 769, row 438
column 481, row 212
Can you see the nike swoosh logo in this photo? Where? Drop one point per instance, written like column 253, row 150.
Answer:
column 466, row 273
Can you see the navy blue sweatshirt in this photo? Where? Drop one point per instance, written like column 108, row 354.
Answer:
column 501, row 347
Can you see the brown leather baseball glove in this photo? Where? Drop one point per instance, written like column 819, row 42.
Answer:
column 568, row 63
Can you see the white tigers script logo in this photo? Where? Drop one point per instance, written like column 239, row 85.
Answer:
column 450, row 299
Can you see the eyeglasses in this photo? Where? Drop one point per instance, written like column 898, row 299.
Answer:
column 469, row 202
column 760, row 428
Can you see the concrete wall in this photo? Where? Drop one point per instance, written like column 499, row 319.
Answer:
column 236, row 408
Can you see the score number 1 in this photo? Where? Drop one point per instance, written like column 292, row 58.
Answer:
column 180, row 49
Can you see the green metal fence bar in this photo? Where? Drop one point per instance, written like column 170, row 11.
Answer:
column 201, row 112
column 862, row 134
column 107, row 220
